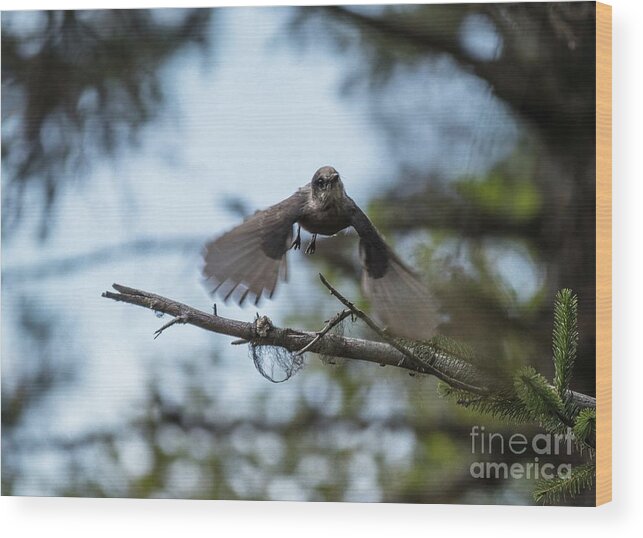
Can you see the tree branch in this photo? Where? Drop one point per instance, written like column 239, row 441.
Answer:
column 262, row 332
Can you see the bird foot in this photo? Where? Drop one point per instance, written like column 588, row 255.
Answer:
column 296, row 244
column 310, row 249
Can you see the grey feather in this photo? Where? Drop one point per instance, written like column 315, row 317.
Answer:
column 398, row 298
column 249, row 259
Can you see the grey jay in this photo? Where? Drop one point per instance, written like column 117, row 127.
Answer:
column 248, row 260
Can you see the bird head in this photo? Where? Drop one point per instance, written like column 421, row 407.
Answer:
column 326, row 184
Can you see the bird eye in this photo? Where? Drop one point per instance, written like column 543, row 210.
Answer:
column 319, row 182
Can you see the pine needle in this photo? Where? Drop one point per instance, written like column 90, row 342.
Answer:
column 558, row 489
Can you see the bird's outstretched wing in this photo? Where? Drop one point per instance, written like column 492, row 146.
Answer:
column 398, row 297
column 249, row 259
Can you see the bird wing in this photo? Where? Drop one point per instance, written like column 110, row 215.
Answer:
column 398, row 297
column 249, row 259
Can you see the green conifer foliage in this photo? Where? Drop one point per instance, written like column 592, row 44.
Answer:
column 533, row 399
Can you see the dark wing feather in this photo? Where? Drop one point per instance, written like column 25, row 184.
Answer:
column 398, row 297
column 249, row 259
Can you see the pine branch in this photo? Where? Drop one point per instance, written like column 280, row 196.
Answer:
column 541, row 400
column 560, row 488
column 585, row 427
column 506, row 408
column 564, row 339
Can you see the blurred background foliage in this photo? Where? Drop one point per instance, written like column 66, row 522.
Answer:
column 496, row 226
column 73, row 91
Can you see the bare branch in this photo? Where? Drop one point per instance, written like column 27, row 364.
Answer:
column 262, row 332
column 290, row 339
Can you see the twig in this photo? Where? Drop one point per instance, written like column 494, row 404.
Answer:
column 183, row 318
column 337, row 318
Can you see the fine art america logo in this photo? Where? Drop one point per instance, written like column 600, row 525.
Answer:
column 498, row 446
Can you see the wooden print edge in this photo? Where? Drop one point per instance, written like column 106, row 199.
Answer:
column 603, row 253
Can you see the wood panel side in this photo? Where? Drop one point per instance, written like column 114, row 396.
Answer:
column 603, row 253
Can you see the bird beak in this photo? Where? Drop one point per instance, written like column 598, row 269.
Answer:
column 334, row 178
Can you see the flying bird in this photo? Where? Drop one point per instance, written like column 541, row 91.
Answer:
column 249, row 260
